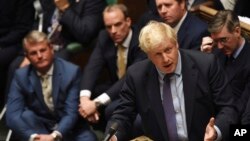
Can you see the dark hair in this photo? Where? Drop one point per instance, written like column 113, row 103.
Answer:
column 224, row 18
column 122, row 7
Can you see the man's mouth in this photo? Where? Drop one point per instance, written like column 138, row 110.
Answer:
column 166, row 66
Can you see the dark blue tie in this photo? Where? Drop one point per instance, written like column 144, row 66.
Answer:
column 229, row 60
column 169, row 110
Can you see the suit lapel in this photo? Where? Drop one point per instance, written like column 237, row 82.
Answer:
column 133, row 45
column 189, row 78
column 112, row 57
column 36, row 84
column 182, row 33
column 155, row 99
column 56, row 80
column 239, row 62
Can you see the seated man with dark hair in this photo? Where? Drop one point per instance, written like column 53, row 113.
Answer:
column 232, row 49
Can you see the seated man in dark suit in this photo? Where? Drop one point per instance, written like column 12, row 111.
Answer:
column 189, row 28
column 44, row 96
column 233, row 51
column 176, row 92
column 119, row 35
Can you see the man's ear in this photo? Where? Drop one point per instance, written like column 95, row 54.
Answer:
column 237, row 31
column 25, row 54
column 129, row 21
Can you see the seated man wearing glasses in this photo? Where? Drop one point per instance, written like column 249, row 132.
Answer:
column 233, row 51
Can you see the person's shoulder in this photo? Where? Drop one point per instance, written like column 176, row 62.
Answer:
column 140, row 66
column 196, row 18
column 103, row 35
column 139, row 70
column 196, row 21
column 23, row 74
column 247, row 41
column 197, row 55
column 66, row 65
column 23, row 70
column 103, row 32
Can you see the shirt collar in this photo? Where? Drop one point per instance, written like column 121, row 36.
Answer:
column 177, row 27
column 49, row 72
column 189, row 3
column 238, row 50
column 127, row 41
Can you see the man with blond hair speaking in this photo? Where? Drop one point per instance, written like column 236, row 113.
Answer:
column 179, row 94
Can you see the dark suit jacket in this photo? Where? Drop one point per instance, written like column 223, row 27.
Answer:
column 190, row 33
column 105, row 56
column 16, row 19
column 81, row 21
column 203, row 85
column 241, row 8
column 238, row 73
column 25, row 96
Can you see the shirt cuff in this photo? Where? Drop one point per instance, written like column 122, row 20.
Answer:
column 85, row 93
column 104, row 99
column 219, row 135
column 58, row 134
column 32, row 137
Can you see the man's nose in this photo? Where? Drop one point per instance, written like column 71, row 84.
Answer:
column 39, row 55
column 113, row 29
column 163, row 9
column 165, row 58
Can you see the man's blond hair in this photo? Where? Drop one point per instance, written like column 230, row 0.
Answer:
column 34, row 37
column 154, row 33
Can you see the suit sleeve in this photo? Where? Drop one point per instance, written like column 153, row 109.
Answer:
column 244, row 103
column 126, row 111
column 246, row 114
column 68, row 121
column 84, row 26
column 93, row 68
column 115, row 89
column 16, row 106
column 21, row 24
column 223, row 99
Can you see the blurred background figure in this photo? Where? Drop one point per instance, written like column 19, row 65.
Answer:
column 16, row 19
column 189, row 28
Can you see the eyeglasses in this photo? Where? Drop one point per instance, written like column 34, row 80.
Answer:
column 222, row 40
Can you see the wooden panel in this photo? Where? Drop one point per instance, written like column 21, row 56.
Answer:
column 208, row 13
column 135, row 7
